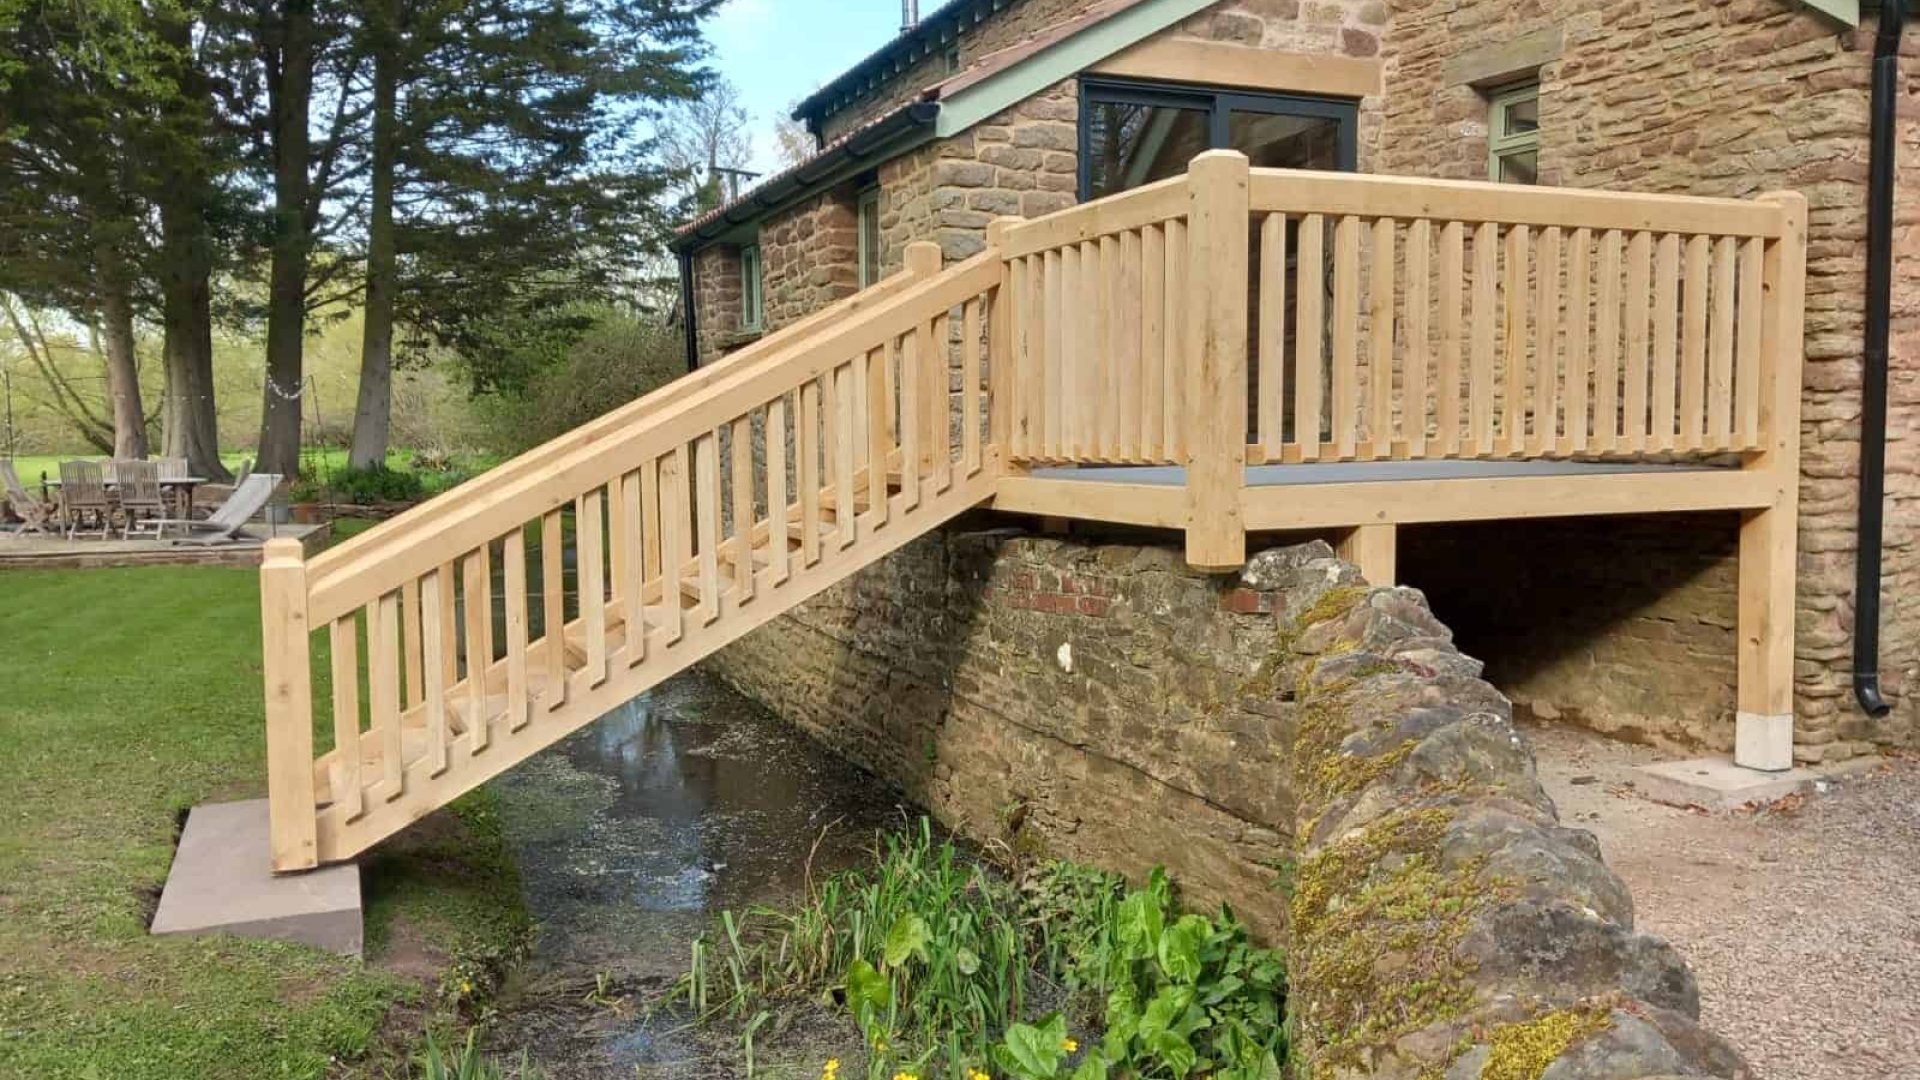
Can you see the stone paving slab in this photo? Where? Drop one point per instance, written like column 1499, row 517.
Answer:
column 222, row 882
column 1718, row 784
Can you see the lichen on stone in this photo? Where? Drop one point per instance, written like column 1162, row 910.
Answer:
column 1523, row 1051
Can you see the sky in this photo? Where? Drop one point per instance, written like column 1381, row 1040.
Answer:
column 778, row 51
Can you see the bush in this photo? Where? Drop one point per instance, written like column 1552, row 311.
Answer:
column 618, row 358
column 364, row 487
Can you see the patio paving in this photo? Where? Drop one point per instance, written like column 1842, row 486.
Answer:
column 59, row 553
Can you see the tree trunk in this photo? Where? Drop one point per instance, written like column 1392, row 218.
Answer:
column 123, row 367
column 290, row 93
column 373, row 416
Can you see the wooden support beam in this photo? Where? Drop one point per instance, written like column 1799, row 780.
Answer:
column 289, row 699
column 1372, row 548
column 1216, row 353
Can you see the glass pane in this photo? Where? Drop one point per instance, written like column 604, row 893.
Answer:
column 1522, row 116
column 1280, row 141
column 869, row 241
column 1520, row 167
column 1129, row 145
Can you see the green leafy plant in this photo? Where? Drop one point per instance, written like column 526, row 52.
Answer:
column 467, row 1063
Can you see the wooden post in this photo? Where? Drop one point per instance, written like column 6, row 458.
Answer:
column 284, row 644
column 1214, row 353
column 1374, row 549
column 1000, row 344
column 1769, row 539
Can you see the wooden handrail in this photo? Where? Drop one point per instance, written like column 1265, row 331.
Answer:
column 417, row 542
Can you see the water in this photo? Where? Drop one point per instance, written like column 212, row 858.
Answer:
column 632, row 835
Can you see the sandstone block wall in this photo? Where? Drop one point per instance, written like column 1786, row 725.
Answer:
column 1314, row 752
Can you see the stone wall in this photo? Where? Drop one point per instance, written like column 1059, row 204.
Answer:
column 716, row 300
column 1702, row 97
column 810, row 256
column 1314, row 752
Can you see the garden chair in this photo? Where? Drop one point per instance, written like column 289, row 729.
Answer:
column 180, row 499
column 34, row 513
column 83, row 499
column 142, row 502
column 224, row 526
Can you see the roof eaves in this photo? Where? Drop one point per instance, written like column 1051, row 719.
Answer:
column 939, row 27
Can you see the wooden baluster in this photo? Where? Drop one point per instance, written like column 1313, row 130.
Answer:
column 383, row 685
column 1309, row 336
column 449, row 626
column 1380, row 337
column 939, row 442
column 912, row 416
column 293, row 826
column 1579, row 365
column 859, row 433
column 1034, row 378
column 1153, row 342
column 777, row 488
column 436, row 648
column 1752, row 317
column 1178, row 367
column 633, row 588
column 346, row 716
column 676, row 502
column 1052, row 389
column 650, row 519
column 1270, row 403
column 743, row 492
column 1666, row 329
column 842, row 435
column 410, row 614
column 1633, row 419
column 706, row 512
column 1453, row 263
column 1606, row 372
column 1720, row 372
column 616, row 537
column 553, row 603
column 1127, row 349
column 1112, row 329
column 1084, row 398
column 1008, row 360
column 1486, row 270
column 1068, row 305
column 1546, row 346
column 1413, row 404
column 808, row 466
column 1346, row 336
column 969, row 389
column 514, row 580
column 591, row 579
column 1513, row 379
column 476, row 587
column 1693, row 350
column 880, row 423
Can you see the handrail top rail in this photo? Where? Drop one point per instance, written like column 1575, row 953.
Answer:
column 1375, row 195
column 425, row 537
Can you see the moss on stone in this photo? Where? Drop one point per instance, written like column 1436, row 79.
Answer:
column 1332, row 604
column 1523, row 1051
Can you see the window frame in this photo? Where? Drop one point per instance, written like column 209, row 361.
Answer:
column 753, row 298
column 1220, row 103
column 1500, row 146
column 867, row 199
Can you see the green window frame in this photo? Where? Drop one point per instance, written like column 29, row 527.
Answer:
column 867, row 215
column 1513, row 134
column 752, row 297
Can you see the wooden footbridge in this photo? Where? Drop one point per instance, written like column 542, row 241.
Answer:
column 1227, row 351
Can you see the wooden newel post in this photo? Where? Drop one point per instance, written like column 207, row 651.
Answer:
column 289, row 701
column 1215, row 355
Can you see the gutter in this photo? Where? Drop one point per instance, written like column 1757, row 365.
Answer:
column 1873, row 383
column 822, row 170
column 687, row 314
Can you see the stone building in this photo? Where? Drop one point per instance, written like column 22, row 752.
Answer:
column 997, row 107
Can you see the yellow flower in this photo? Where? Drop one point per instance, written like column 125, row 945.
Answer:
column 879, row 1045
column 976, row 1074
column 904, row 1076
column 831, row 1070
column 466, row 986
column 1069, row 1044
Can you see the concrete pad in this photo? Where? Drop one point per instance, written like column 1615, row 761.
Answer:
column 223, row 883
column 1717, row 783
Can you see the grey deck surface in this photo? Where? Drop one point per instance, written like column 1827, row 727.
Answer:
column 1350, row 472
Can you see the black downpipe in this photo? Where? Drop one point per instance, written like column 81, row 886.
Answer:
column 1873, row 389
column 687, row 317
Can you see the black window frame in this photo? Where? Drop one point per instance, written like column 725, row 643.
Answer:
column 1220, row 103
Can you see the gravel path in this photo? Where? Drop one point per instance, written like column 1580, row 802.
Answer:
column 1802, row 922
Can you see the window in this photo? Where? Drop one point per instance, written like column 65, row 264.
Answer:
column 1136, row 133
column 1513, row 134
column 871, row 255
column 751, row 299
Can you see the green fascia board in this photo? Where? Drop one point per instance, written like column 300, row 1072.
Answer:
column 1062, row 60
column 1844, row 12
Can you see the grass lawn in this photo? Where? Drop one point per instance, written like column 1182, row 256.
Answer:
column 129, row 695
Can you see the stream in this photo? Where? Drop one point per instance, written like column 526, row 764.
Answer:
column 632, row 836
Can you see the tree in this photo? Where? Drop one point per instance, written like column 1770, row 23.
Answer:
column 792, row 141
column 703, row 138
column 504, row 186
